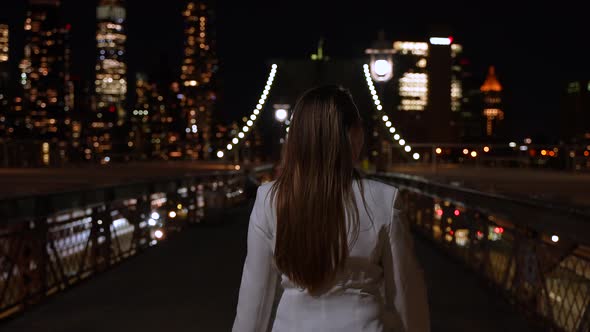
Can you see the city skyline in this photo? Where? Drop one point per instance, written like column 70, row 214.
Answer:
column 515, row 44
column 124, row 123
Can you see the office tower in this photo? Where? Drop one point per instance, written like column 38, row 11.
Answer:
column 111, row 69
column 197, row 79
column 492, row 102
column 4, row 43
column 426, row 88
column 108, row 122
column 439, row 115
column 456, row 78
column 466, row 100
column 154, row 132
column 411, row 60
column 4, row 79
column 47, row 89
column 574, row 115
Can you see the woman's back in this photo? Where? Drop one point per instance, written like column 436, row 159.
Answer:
column 378, row 287
column 343, row 252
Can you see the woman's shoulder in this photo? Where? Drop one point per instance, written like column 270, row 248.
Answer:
column 379, row 191
column 263, row 195
column 264, row 188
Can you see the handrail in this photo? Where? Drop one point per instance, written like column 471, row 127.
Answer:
column 533, row 215
column 505, row 241
column 576, row 211
column 58, row 244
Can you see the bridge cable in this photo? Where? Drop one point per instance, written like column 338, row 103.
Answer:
column 253, row 116
column 386, row 121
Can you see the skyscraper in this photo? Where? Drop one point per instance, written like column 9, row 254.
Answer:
column 111, row 69
column 574, row 115
column 197, row 79
column 4, row 80
column 439, row 118
column 426, row 88
column 45, row 78
column 456, row 78
column 411, row 77
column 152, row 122
column 3, row 43
column 107, row 123
column 492, row 100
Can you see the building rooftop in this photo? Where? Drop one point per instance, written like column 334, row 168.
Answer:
column 491, row 83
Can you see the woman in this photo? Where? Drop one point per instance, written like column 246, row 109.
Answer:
column 337, row 241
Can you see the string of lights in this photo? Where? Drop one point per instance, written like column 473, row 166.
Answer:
column 254, row 116
column 396, row 136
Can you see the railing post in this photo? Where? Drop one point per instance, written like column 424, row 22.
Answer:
column 38, row 251
column 140, row 215
column 92, row 243
column 433, row 154
column 108, row 223
column 585, row 321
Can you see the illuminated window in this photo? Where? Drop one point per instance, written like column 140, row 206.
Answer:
column 413, row 90
column 573, row 87
column 415, row 48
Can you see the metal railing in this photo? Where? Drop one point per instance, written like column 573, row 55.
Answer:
column 537, row 256
column 49, row 243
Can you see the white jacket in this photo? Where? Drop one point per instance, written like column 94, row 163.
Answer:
column 381, row 287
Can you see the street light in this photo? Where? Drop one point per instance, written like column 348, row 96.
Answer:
column 281, row 114
column 382, row 67
column 381, row 60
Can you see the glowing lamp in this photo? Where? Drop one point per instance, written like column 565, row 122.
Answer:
column 281, row 114
column 381, row 70
column 382, row 67
column 441, row 40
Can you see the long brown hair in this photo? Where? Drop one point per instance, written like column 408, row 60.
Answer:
column 313, row 194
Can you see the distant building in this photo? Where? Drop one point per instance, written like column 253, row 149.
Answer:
column 111, row 69
column 197, row 80
column 4, row 34
column 411, row 82
column 154, row 126
column 575, row 112
column 4, row 79
column 425, row 93
column 47, row 88
column 107, row 124
column 492, row 102
column 420, row 86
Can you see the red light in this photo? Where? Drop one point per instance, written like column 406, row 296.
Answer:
column 457, row 213
column 451, row 39
column 439, row 212
column 498, row 230
column 479, row 234
column 451, row 232
column 112, row 108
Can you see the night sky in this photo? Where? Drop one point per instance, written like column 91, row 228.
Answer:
column 535, row 47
